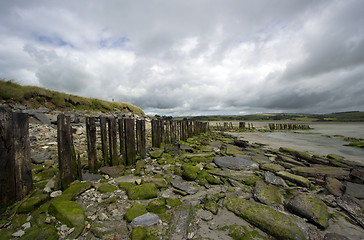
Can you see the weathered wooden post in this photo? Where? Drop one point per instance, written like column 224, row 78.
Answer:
column 113, row 148
column 15, row 166
column 104, row 144
column 91, row 144
column 140, row 136
column 66, row 157
column 121, row 136
column 130, row 142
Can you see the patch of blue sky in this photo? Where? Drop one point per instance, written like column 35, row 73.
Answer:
column 53, row 40
column 114, row 43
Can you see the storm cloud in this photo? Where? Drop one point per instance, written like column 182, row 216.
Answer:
column 191, row 57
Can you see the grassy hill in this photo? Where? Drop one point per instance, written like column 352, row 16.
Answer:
column 35, row 97
column 355, row 116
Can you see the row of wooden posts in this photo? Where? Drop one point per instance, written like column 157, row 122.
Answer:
column 288, row 126
column 229, row 125
column 15, row 164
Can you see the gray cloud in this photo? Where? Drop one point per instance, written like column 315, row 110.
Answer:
column 191, row 57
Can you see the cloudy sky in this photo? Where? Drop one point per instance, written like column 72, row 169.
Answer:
column 191, row 57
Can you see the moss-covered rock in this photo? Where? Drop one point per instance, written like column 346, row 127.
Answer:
column 334, row 186
column 156, row 154
column 19, row 220
column 31, row 203
column 285, row 159
column 69, row 213
column 246, row 177
column 300, row 155
column 320, row 171
column 190, row 172
column 271, row 167
column 173, row 202
column 157, row 206
column 268, row 194
column 299, row 180
column 336, row 160
column 310, row 207
column 139, row 233
column 271, row 221
column 74, row 190
column 44, row 232
column 135, row 211
column 242, row 232
column 142, row 192
column 106, row 188
column 125, row 185
column 5, row 233
column 211, row 205
column 159, row 182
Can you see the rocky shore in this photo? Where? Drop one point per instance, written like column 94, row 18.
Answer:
column 213, row 186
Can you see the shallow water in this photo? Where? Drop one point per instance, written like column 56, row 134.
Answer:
column 314, row 143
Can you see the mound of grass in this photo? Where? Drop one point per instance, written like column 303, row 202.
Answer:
column 36, row 97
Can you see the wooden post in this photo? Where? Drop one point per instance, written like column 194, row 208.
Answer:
column 113, row 148
column 23, row 165
column 104, row 144
column 65, row 145
column 91, row 144
column 140, row 136
column 130, row 142
column 7, row 158
column 121, row 136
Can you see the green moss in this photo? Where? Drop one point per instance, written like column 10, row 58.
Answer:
column 335, row 157
column 45, row 174
column 304, row 182
column 30, row 204
column 142, row 192
column 271, row 167
column 125, row 185
column 156, row 154
column 208, row 167
column 173, row 202
column 211, row 205
column 5, row 233
column 19, row 220
column 241, row 232
column 135, row 211
column 158, row 181
column 46, row 232
column 139, row 233
column 190, row 172
column 69, row 213
column 76, row 189
column 273, row 222
column 106, row 188
column 157, row 206
column 268, row 194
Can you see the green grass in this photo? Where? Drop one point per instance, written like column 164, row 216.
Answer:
column 36, row 97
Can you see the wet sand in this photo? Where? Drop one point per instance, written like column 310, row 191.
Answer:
column 315, row 143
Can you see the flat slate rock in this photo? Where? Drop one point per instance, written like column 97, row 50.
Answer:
column 145, row 220
column 273, row 179
column 188, row 188
column 354, row 207
column 39, row 158
column 41, row 117
column 235, row 163
column 113, row 171
column 181, row 224
column 355, row 190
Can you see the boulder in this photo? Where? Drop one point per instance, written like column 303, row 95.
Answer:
column 106, row 188
column 145, row 220
column 271, row 178
column 241, row 143
column 142, row 192
column 69, row 213
column 157, row 206
column 299, row 180
column 310, row 207
column 354, row 189
column 268, row 194
column 138, row 233
column 271, row 167
column 113, row 171
column 235, row 163
column 320, row 171
column 188, row 188
column 190, row 172
column 31, row 203
column 74, row 190
column 273, row 222
column 354, row 207
column 357, row 176
column 39, row 158
column 334, row 186
column 135, row 211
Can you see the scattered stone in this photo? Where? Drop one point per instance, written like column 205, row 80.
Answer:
column 273, row 222
column 271, row 167
column 299, row 180
column 204, row 215
column 310, row 207
column 335, row 236
column 273, row 179
column 18, row 234
column 354, row 189
column 56, row 194
column 39, row 158
column 114, row 171
column 103, row 217
column 354, row 207
column 26, row 225
column 334, row 186
column 188, row 188
column 235, row 163
column 138, row 181
column 268, row 194
column 145, row 220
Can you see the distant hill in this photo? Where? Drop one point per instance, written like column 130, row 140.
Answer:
column 353, row 116
column 36, row 97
